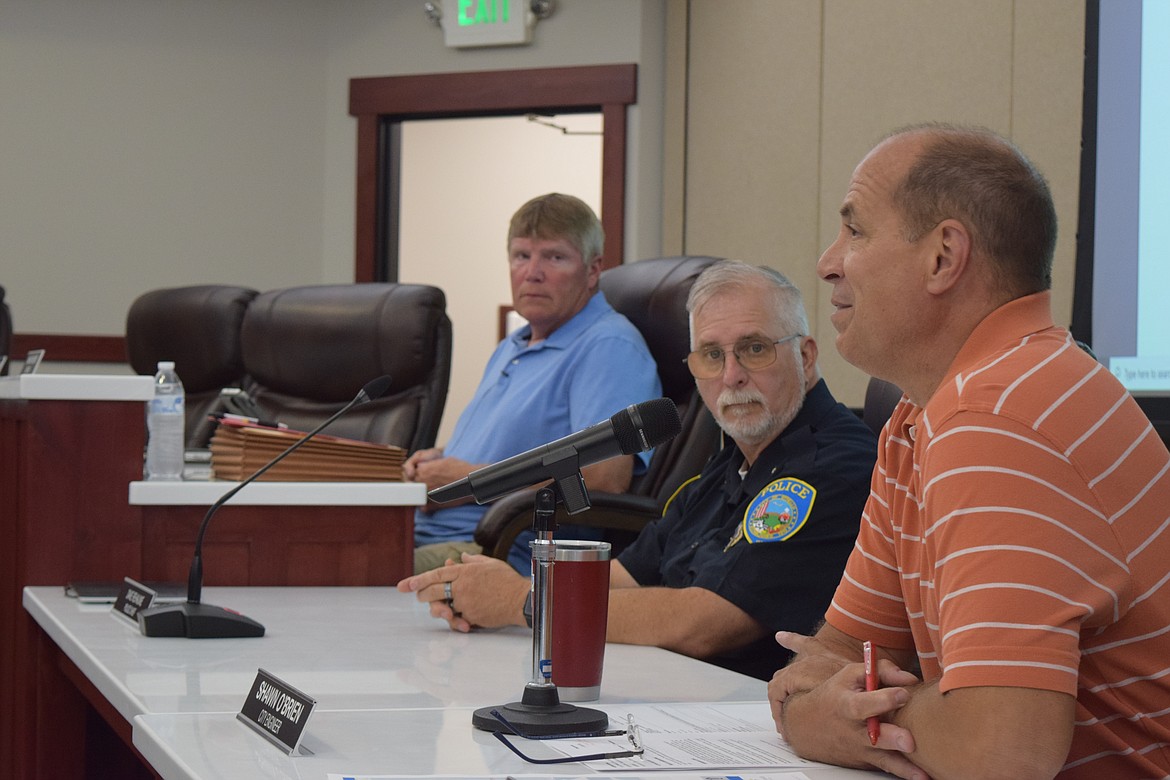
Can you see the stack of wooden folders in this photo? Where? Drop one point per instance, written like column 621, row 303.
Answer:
column 239, row 448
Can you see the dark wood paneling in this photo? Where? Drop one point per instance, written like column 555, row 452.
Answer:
column 282, row 545
column 65, row 346
column 65, row 468
column 79, row 733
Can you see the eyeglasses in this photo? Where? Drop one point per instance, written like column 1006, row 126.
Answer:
column 632, row 732
column 752, row 353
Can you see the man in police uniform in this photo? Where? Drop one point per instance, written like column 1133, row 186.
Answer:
column 757, row 542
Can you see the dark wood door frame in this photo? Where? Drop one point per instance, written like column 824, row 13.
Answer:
column 374, row 101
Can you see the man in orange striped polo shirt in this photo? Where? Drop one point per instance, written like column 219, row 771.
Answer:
column 1011, row 567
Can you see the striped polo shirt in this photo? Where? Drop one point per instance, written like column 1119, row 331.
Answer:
column 1016, row 535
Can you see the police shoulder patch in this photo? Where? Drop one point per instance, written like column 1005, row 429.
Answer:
column 779, row 510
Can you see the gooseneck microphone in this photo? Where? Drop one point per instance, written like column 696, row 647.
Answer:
column 197, row 620
column 634, row 429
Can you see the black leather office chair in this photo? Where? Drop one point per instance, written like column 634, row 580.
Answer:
column 652, row 294
column 880, row 399
column 198, row 327
column 5, row 331
column 307, row 351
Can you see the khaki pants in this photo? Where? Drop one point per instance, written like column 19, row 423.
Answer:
column 432, row 556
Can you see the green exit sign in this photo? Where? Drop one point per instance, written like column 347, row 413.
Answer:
column 468, row 23
column 483, row 12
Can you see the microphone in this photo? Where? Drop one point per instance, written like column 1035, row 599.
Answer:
column 197, row 620
column 636, row 428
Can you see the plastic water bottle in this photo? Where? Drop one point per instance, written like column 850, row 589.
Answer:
column 164, row 425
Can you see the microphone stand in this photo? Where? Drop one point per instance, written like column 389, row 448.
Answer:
column 197, row 620
column 540, row 711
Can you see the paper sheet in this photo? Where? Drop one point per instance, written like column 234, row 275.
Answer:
column 691, row 738
column 657, row 776
column 687, row 736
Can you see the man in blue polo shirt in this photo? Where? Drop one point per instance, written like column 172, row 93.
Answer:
column 576, row 363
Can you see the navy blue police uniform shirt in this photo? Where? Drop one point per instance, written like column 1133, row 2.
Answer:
column 775, row 542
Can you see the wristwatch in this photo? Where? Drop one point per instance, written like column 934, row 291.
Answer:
column 528, row 609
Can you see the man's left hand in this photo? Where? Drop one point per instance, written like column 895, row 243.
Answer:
column 828, row 723
column 484, row 592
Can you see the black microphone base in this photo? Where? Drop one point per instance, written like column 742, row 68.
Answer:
column 196, row 621
column 541, row 713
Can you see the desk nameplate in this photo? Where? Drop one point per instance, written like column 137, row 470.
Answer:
column 32, row 361
column 132, row 598
column 277, row 711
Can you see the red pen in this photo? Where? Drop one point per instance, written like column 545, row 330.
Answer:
column 872, row 724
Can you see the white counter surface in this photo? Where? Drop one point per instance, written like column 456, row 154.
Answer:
column 395, row 689
column 78, row 387
column 438, row 742
column 350, row 648
column 205, row 493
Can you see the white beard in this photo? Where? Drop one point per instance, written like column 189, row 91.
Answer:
column 764, row 424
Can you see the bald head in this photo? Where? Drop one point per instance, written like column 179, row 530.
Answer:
column 982, row 180
column 940, row 226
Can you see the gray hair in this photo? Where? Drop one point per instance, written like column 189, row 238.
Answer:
column 727, row 275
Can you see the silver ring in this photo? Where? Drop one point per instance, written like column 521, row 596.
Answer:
column 447, row 592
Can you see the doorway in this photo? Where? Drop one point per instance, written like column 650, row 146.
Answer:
column 461, row 180
column 380, row 104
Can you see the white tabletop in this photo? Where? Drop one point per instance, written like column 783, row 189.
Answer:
column 78, row 387
column 261, row 493
column 395, row 689
column 383, row 742
column 350, row 648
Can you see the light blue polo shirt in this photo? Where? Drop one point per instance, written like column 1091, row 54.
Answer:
column 587, row 370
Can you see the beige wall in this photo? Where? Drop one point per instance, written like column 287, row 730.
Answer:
column 392, row 37
column 783, row 97
column 147, row 144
